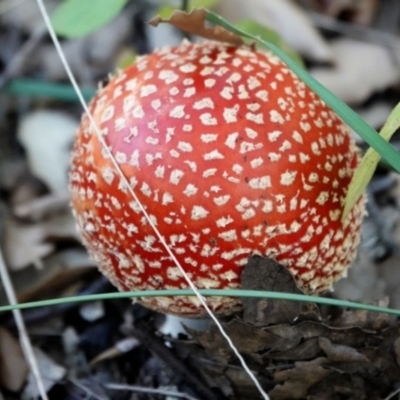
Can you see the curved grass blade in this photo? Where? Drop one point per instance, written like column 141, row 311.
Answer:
column 387, row 151
column 368, row 164
column 205, row 292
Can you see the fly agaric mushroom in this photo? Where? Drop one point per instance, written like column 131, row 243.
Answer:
column 231, row 155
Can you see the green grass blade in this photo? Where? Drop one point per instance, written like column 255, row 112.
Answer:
column 387, row 151
column 369, row 163
column 42, row 89
column 205, row 292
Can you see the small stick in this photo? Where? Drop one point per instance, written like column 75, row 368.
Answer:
column 23, row 334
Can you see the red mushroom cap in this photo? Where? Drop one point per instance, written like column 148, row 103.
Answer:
column 231, row 155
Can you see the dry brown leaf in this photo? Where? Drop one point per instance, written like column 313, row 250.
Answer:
column 13, row 367
column 194, row 23
column 60, row 271
column 303, row 351
column 28, row 243
column 297, row 380
column 365, row 319
column 247, row 339
column 41, row 207
column 50, row 371
column 340, row 353
column 24, row 244
column 262, row 273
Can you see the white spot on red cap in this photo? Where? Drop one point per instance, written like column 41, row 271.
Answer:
column 276, row 117
column 304, row 158
column 199, row 212
column 297, row 137
column 288, row 177
column 176, row 176
column 177, row 112
column 246, row 147
column 138, row 112
column 185, row 147
column 224, row 221
column 188, row 68
column 107, row 114
column 147, row 90
column 262, row 95
column 230, row 114
column 322, row 198
column 221, row 200
column 203, row 103
column 189, row 92
column 167, row 198
column 231, row 140
column 251, row 133
column 207, row 119
column 190, row 190
column 237, row 168
column 208, row 137
column 274, row 156
column 262, row 182
column 273, row 136
column 168, row 76
column 257, row 118
column 228, row 236
column 134, row 161
column 213, row 155
column 227, row 92
column 209, row 83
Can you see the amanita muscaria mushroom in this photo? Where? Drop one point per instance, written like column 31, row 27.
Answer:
column 231, row 155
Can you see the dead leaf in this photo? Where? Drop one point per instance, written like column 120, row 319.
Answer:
column 297, row 380
column 247, row 339
column 28, row 243
column 50, row 371
column 60, row 271
column 340, row 353
column 194, row 23
column 13, row 367
column 24, row 244
column 303, row 351
column 355, row 76
column 365, row 319
column 262, row 273
column 43, row 206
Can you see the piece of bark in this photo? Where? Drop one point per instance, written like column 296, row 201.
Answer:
column 266, row 274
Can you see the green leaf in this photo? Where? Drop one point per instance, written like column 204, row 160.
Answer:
column 268, row 35
column 77, row 18
column 368, row 164
column 387, row 151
